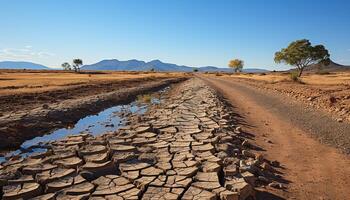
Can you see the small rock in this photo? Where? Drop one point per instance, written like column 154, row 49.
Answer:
column 238, row 129
column 259, row 157
column 311, row 98
column 275, row 163
column 276, row 185
column 245, row 143
column 230, row 170
column 339, row 120
column 248, row 154
column 266, row 166
column 222, row 155
column 268, row 141
column 332, row 99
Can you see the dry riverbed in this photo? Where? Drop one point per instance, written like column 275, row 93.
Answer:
column 25, row 115
column 187, row 147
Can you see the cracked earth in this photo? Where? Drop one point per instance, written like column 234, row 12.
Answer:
column 188, row 147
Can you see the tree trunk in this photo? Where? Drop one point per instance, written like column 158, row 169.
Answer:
column 300, row 71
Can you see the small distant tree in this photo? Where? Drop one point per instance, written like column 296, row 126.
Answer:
column 236, row 65
column 195, row 69
column 76, row 64
column 152, row 69
column 302, row 54
column 66, row 66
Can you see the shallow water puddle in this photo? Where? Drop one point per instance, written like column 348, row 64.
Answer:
column 110, row 119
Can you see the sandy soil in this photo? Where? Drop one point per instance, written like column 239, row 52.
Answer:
column 309, row 169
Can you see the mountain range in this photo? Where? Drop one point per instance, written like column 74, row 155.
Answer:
column 20, row 65
column 157, row 65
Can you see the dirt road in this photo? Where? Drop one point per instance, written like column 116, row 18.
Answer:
column 287, row 132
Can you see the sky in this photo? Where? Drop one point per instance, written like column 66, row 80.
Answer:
column 185, row 32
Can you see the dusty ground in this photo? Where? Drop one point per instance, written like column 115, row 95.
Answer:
column 28, row 110
column 21, row 90
column 287, row 132
column 30, row 81
column 330, row 92
column 187, row 147
column 333, row 78
column 190, row 147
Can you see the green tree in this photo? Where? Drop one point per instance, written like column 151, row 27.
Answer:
column 301, row 54
column 66, row 66
column 236, row 64
column 195, row 69
column 76, row 64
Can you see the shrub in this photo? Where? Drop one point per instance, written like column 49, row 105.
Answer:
column 294, row 76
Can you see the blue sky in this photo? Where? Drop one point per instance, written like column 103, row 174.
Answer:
column 186, row 32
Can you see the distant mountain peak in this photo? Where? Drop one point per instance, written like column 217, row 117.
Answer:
column 155, row 61
column 333, row 66
column 21, row 65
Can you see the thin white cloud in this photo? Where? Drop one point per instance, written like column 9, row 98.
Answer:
column 23, row 53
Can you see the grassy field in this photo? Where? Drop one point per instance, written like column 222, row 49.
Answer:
column 20, row 81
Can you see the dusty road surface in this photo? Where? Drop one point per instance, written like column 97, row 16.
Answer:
column 292, row 134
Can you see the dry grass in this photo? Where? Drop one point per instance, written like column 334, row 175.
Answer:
column 19, row 81
column 312, row 79
column 329, row 92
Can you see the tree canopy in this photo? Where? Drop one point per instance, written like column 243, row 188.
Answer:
column 236, row 64
column 66, row 66
column 77, row 63
column 301, row 54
